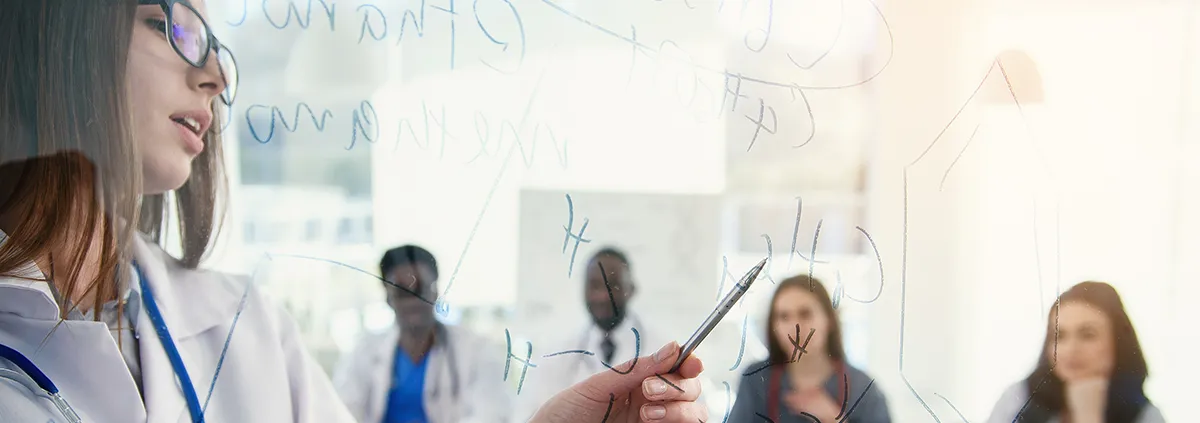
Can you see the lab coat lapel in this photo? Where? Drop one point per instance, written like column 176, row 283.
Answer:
column 160, row 388
column 80, row 373
column 383, row 359
column 437, row 381
column 189, row 305
column 29, row 324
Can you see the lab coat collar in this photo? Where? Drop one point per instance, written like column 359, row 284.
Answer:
column 26, row 294
column 173, row 285
column 178, row 291
column 381, row 379
column 383, row 354
column 385, row 350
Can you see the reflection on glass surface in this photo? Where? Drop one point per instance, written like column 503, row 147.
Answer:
column 477, row 129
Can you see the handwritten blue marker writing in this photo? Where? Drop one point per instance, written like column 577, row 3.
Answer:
column 798, row 350
column 366, row 26
column 633, row 53
column 483, row 134
column 796, row 236
column 503, row 44
column 612, row 398
column 736, row 90
column 766, row 32
column 685, row 3
column 879, row 260
column 758, row 124
column 241, row 21
column 523, row 361
column 578, row 237
column 742, row 345
column 442, row 308
column 360, row 119
column 691, row 97
column 838, row 290
column 812, row 120
column 292, row 10
column 637, row 351
column 813, row 252
column 426, row 116
column 528, row 159
column 376, row 24
column 453, row 30
column 507, row 129
column 418, row 22
column 560, row 149
column 724, row 273
column 770, row 253
column 276, row 113
column 433, row 129
column 699, row 66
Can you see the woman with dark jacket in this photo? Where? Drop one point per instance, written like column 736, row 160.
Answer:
column 1091, row 368
column 806, row 377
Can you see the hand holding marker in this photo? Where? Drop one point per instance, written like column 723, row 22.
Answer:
column 717, row 314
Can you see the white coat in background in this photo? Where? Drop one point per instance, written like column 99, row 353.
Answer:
column 557, row 373
column 364, row 378
column 266, row 376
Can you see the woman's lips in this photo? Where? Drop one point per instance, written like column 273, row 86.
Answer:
column 192, row 142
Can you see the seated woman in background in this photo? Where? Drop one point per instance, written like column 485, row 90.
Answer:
column 806, row 376
column 1091, row 367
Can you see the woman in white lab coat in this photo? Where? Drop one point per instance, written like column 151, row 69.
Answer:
column 421, row 369
column 112, row 106
column 107, row 106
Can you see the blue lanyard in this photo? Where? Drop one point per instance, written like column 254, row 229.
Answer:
column 41, row 379
column 164, row 336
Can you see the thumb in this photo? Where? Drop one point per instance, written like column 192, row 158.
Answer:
column 629, row 375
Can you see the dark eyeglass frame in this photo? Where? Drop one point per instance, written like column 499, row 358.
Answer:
column 215, row 45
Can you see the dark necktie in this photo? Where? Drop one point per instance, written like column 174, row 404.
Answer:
column 607, row 348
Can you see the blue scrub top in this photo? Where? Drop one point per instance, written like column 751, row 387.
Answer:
column 405, row 404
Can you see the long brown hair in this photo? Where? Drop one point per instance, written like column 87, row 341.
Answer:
column 780, row 355
column 1126, row 396
column 70, row 170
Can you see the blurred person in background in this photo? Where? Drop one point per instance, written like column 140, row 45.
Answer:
column 806, row 377
column 608, row 287
column 1091, row 368
column 421, row 370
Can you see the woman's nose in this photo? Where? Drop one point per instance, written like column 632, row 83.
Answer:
column 209, row 78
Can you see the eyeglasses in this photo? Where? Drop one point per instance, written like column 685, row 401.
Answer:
column 192, row 39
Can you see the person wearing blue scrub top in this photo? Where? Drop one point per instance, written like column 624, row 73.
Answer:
column 405, row 403
column 410, row 269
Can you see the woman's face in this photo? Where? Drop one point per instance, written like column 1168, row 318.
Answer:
column 1086, row 348
column 797, row 306
column 171, row 100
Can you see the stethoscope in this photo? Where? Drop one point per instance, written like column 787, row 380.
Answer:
column 44, row 383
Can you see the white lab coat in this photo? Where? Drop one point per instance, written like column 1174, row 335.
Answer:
column 554, row 374
column 266, row 375
column 473, row 364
